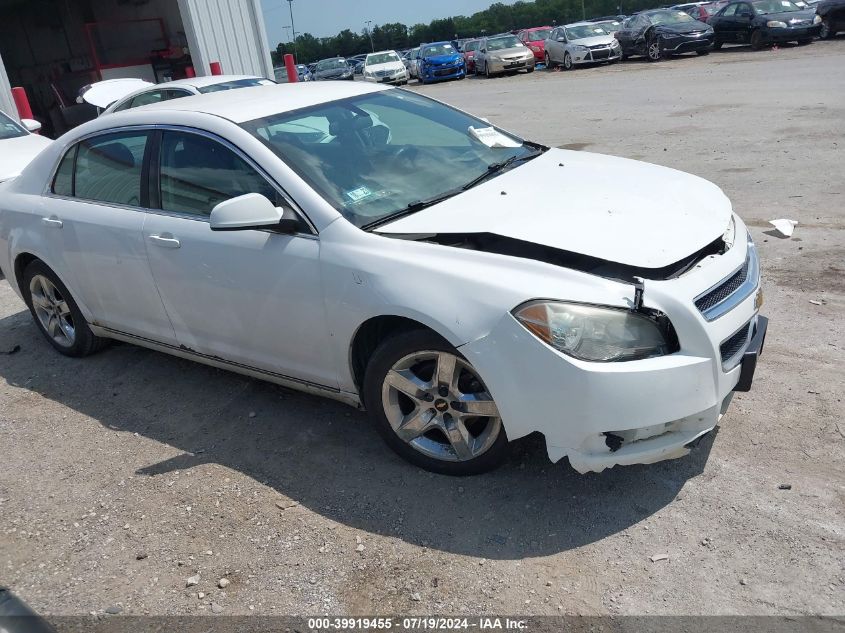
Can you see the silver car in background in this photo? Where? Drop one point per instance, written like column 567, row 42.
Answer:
column 581, row 43
column 503, row 54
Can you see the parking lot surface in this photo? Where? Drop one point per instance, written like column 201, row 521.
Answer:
column 125, row 474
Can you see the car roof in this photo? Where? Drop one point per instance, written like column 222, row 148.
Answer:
column 381, row 52
column 535, row 28
column 582, row 24
column 248, row 104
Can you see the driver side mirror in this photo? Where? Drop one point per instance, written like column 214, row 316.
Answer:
column 31, row 125
column 252, row 211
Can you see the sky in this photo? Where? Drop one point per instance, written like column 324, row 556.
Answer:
column 324, row 18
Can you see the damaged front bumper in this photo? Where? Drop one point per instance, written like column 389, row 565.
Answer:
column 600, row 415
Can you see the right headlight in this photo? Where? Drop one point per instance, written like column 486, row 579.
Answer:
column 594, row 333
column 776, row 24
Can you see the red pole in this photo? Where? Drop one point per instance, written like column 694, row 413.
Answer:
column 190, row 73
column 216, row 68
column 22, row 103
column 293, row 76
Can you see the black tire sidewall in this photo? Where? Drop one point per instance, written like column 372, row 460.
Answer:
column 85, row 342
column 382, row 360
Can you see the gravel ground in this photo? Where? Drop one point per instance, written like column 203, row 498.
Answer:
column 127, row 474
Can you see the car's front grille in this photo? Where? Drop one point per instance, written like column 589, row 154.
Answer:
column 724, row 290
column 735, row 344
column 601, row 54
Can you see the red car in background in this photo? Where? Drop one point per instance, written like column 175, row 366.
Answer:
column 535, row 39
column 470, row 48
column 701, row 11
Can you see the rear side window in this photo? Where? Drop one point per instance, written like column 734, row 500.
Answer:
column 63, row 182
column 108, row 168
column 198, row 173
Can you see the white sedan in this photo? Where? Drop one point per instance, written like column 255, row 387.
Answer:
column 18, row 145
column 153, row 93
column 276, row 232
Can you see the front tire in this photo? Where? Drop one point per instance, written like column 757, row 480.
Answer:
column 654, row 52
column 757, row 40
column 56, row 313
column 717, row 44
column 567, row 61
column 431, row 407
column 487, row 70
column 825, row 32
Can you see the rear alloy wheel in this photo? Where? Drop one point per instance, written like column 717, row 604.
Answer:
column 56, row 313
column 756, row 40
column 567, row 62
column 654, row 51
column 550, row 65
column 432, row 407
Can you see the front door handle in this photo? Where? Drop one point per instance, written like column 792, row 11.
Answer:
column 53, row 222
column 165, row 241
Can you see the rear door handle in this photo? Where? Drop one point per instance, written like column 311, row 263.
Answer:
column 165, row 241
column 53, row 222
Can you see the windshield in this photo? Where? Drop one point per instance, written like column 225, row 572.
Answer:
column 10, row 129
column 670, row 17
column 381, row 58
column 471, row 46
column 235, row 84
column 536, row 36
column 501, row 43
column 332, row 64
column 586, row 30
column 373, row 155
column 774, row 6
column 438, row 49
column 611, row 27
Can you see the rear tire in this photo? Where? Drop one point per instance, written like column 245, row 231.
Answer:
column 717, row 44
column 550, row 65
column 56, row 314
column 414, row 362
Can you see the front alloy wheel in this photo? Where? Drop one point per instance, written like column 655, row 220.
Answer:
column 52, row 311
column 567, row 62
column 654, row 51
column 432, row 407
column 756, row 40
column 825, row 32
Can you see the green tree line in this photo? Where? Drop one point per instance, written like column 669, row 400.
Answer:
column 497, row 18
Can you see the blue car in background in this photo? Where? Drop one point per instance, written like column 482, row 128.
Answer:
column 440, row 61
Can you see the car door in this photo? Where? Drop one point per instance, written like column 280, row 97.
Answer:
column 95, row 220
column 253, row 297
column 553, row 47
column 744, row 20
column 726, row 23
column 625, row 36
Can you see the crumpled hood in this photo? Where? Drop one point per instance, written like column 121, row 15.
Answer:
column 16, row 153
column 791, row 17
column 619, row 210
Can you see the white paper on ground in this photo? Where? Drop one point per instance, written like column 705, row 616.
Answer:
column 784, row 226
column 492, row 137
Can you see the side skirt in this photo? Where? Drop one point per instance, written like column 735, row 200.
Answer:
column 351, row 399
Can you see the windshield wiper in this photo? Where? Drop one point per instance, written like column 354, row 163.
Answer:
column 413, row 207
column 496, row 168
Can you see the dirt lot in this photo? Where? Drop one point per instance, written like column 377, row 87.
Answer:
column 125, row 474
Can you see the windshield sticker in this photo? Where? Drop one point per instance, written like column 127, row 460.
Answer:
column 356, row 195
column 492, row 137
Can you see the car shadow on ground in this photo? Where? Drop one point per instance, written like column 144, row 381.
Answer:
column 328, row 458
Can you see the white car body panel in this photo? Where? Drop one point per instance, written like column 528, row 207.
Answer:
column 16, row 153
column 396, row 71
column 104, row 93
column 592, row 204
column 286, row 308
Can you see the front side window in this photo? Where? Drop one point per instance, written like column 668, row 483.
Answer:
column 198, row 173
column 358, row 152
column 108, row 168
column 10, row 129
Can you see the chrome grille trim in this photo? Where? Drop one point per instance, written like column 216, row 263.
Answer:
column 731, row 291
